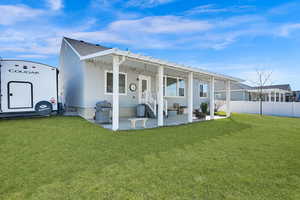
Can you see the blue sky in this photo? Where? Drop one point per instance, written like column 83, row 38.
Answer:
column 234, row 37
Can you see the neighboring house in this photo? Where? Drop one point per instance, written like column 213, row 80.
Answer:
column 92, row 73
column 272, row 93
column 239, row 92
column 296, row 96
column 243, row 92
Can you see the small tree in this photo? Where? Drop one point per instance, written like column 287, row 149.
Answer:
column 263, row 78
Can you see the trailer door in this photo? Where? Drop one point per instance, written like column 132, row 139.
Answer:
column 20, row 95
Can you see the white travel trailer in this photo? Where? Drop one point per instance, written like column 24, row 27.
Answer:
column 27, row 88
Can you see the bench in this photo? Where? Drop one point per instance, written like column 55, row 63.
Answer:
column 134, row 120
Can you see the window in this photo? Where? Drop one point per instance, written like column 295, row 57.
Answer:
column 203, row 90
column 272, row 96
column 181, row 86
column 171, row 89
column 277, row 97
column 174, row 87
column 109, row 83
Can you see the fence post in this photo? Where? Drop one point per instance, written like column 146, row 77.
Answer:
column 293, row 109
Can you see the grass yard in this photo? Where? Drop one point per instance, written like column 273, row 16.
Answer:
column 245, row 157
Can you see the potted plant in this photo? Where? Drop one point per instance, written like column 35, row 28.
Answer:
column 201, row 114
column 204, row 108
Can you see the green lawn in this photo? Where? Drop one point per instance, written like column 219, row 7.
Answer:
column 245, row 157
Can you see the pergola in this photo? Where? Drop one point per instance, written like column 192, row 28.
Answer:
column 117, row 57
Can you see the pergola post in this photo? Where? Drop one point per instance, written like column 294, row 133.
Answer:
column 116, row 61
column 115, row 107
column 212, row 98
column 190, row 97
column 160, row 100
column 228, row 98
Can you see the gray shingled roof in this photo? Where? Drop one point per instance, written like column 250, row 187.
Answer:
column 240, row 86
column 85, row 48
column 282, row 87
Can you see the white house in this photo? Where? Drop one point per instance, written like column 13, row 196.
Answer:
column 91, row 73
column 243, row 92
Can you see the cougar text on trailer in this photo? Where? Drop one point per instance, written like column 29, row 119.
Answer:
column 27, row 88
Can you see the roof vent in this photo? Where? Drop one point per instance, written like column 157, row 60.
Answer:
column 81, row 41
column 97, row 45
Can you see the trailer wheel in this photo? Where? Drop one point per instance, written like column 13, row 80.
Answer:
column 43, row 108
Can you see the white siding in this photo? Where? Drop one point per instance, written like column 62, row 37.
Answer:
column 94, row 89
column 71, row 77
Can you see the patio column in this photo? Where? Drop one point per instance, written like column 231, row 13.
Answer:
column 115, row 102
column 270, row 96
column 228, row 98
column 115, row 107
column 160, row 96
column 212, row 97
column 190, row 97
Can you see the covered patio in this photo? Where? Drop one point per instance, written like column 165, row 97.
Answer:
column 118, row 60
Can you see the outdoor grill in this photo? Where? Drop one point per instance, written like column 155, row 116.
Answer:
column 103, row 112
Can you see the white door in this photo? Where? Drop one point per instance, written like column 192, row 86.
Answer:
column 19, row 95
column 144, row 88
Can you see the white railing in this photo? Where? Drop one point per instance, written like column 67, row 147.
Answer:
column 150, row 100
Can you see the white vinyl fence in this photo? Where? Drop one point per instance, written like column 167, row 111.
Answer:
column 289, row 109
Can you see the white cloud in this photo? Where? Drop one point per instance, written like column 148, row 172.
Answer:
column 240, row 20
column 161, row 24
column 149, row 32
column 55, row 4
column 102, row 4
column 212, row 8
column 152, row 32
column 285, row 8
column 32, row 56
column 147, row 3
column 11, row 14
column 286, row 29
column 209, row 8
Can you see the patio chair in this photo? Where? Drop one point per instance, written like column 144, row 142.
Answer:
column 180, row 109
